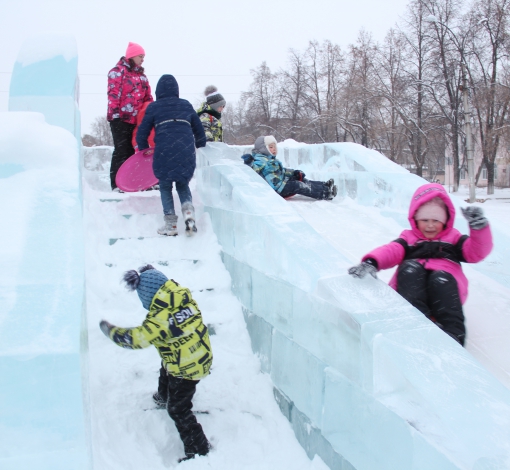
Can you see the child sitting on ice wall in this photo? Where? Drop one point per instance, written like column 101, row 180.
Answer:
column 284, row 181
column 210, row 114
column 174, row 326
column 429, row 275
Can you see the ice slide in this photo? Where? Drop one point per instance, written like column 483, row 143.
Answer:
column 364, row 380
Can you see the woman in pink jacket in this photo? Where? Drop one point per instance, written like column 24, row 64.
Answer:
column 429, row 275
column 128, row 91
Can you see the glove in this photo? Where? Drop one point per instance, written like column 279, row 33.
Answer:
column 105, row 327
column 362, row 269
column 474, row 217
column 299, row 175
column 248, row 159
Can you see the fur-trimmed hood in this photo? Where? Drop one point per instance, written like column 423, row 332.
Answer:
column 424, row 194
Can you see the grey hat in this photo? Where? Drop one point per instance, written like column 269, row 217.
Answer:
column 214, row 98
column 261, row 144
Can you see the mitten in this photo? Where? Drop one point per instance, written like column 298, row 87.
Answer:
column 364, row 268
column 299, row 175
column 105, row 327
column 474, row 217
column 248, row 159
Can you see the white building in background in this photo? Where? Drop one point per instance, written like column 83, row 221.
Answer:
column 501, row 169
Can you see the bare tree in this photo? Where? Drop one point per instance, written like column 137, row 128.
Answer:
column 101, row 131
column 416, row 111
column 449, row 42
column 292, row 88
column 391, row 86
column 263, row 101
column 361, row 103
column 491, row 98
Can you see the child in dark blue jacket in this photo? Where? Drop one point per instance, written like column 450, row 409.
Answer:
column 284, row 181
column 178, row 131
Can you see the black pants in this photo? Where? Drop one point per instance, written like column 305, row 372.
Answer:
column 122, row 133
column 313, row 189
column 435, row 294
column 179, row 393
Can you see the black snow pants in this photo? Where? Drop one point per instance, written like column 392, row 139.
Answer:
column 435, row 294
column 313, row 189
column 179, row 394
column 122, row 133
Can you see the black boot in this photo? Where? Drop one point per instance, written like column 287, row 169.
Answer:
column 159, row 400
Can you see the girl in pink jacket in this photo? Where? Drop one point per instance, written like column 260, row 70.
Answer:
column 429, row 275
column 128, row 92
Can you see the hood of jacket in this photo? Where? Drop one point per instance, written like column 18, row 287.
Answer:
column 123, row 62
column 424, row 194
column 167, row 87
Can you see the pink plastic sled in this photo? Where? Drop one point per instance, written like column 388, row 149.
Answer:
column 136, row 173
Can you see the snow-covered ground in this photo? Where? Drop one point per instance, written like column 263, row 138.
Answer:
column 243, row 421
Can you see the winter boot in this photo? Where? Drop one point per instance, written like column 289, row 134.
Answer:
column 170, row 227
column 188, row 212
column 333, row 190
column 159, row 400
column 191, row 453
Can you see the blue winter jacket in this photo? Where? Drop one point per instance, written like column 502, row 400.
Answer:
column 178, row 132
column 272, row 170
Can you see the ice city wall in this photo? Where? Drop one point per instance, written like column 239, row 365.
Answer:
column 45, row 79
column 365, row 380
column 43, row 343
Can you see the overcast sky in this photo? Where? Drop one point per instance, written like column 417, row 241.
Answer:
column 200, row 42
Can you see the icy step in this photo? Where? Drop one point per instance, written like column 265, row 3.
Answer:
column 161, row 263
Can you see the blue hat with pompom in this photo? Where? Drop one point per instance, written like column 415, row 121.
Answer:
column 147, row 283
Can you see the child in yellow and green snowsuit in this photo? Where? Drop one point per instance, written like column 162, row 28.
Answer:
column 210, row 114
column 174, row 326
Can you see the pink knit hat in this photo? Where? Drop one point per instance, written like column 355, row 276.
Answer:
column 133, row 50
column 434, row 209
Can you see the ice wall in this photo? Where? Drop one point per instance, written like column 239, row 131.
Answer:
column 45, row 79
column 365, row 380
column 43, row 393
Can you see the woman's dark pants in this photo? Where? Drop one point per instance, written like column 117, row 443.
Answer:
column 435, row 294
column 122, row 133
column 179, row 394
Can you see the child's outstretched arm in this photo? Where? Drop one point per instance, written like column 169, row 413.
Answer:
column 479, row 243
column 134, row 338
column 383, row 257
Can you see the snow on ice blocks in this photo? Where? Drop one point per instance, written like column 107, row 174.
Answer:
column 42, row 422
column 346, row 354
column 45, row 79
